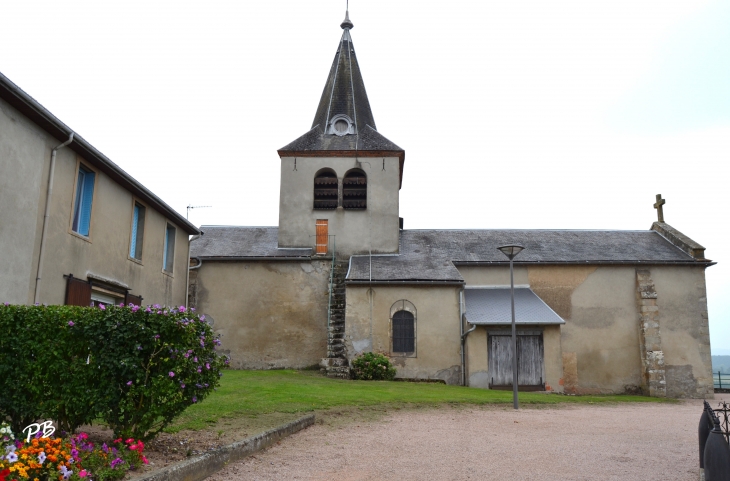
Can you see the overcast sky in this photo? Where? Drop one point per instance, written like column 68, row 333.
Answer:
column 527, row 114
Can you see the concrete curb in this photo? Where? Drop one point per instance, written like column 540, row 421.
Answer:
column 201, row 467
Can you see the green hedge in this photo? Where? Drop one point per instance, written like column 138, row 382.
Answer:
column 134, row 368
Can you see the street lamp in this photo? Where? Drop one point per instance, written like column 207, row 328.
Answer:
column 511, row 252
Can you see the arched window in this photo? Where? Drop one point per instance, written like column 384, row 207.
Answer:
column 403, row 328
column 325, row 190
column 355, row 190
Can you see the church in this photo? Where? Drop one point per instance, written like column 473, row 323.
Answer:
column 596, row 311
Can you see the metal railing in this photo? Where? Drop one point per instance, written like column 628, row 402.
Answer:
column 714, row 443
column 721, row 380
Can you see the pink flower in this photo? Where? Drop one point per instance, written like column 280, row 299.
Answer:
column 102, row 307
column 181, row 309
column 172, row 374
column 71, row 323
column 207, row 365
column 129, row 441
column 121, row 304
column 82, row 473
column 144, row 460
column 195, row 399
column 133, row 447
column 129, row 383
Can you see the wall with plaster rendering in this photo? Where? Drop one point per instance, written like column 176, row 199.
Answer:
column 269, row 314
column 438, row 345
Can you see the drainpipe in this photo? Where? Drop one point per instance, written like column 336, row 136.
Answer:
column 187, row 274
column 462, row 320
column 44, row 231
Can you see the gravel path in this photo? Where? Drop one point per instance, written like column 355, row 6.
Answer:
column 587, row 442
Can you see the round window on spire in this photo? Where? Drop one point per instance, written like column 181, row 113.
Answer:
column 341, row 125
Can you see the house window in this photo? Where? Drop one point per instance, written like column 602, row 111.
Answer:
column 82, row 206
column 403, row 328
column 355, row 190
column 169, row 253
column 135, row 244
column 325, row 190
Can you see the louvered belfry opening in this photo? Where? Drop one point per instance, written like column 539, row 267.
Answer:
column 355, row 190
column 325, row 190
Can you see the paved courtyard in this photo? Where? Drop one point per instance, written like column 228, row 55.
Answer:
column 587, row 442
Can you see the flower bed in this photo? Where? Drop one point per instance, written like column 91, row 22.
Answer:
column 71, row 458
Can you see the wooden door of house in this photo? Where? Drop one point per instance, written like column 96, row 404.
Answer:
column 322, row 236
column 529, row 361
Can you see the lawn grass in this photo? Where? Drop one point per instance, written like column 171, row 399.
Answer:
column 253, row 393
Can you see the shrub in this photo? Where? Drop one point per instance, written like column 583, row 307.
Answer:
column 134, row 368
column 372, row 367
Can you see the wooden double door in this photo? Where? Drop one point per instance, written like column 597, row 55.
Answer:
column 530, row 364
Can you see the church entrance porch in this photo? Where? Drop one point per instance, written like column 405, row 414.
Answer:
column 530, row 364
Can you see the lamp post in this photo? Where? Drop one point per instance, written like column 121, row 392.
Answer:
column 511, row 251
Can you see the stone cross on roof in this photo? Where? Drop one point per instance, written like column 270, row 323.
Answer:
column 658, row 206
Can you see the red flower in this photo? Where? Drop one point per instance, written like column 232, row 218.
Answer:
column 5, row 472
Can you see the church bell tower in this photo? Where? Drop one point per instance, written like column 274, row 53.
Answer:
column 340, row 181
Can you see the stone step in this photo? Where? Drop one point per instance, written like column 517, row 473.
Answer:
column 333, row 362
column 336, row 336
column 333, row 342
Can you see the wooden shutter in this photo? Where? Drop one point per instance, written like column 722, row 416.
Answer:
column 136, row 300
column 322, row 236
column 78, row 292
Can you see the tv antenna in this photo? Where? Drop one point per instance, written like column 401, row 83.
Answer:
column 196, row 207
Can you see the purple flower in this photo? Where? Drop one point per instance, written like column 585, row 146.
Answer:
column 156, row 306
column 42, row 457
column 207, row 365
column 135, row 308
column 129, row 383
column 12, row 457
column 121, row 304
column 187, row 354
column 202, row 317
column 181, row 308
column 202, row 343
column 195, row 399
column 217, row 342
column 195, row 359
column 102, row 307
column 148, row 310
column 199, row 369
column 116, row 462
column 206, row 384
column 192, row 309
column 182, row 385
column 171, row 374
column 139, row 348
column 71, row 323
column 104, row 447
column 157, row 336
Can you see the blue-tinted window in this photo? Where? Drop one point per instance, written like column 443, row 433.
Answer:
column 135, row 245
column 82, row 206
column 168, row 257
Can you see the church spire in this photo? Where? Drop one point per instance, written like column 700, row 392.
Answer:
column 344, row 100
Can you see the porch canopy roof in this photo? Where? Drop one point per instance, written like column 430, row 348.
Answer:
column 491, row 306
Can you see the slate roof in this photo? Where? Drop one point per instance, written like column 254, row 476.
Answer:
column 234, row 242
column 493, row 306
column 432, row 255
column 344, row 93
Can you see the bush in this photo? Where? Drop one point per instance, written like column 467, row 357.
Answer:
column 136, row 369
column 372, row 367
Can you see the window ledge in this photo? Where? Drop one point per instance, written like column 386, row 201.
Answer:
column 80, row 236
column 136, row 261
